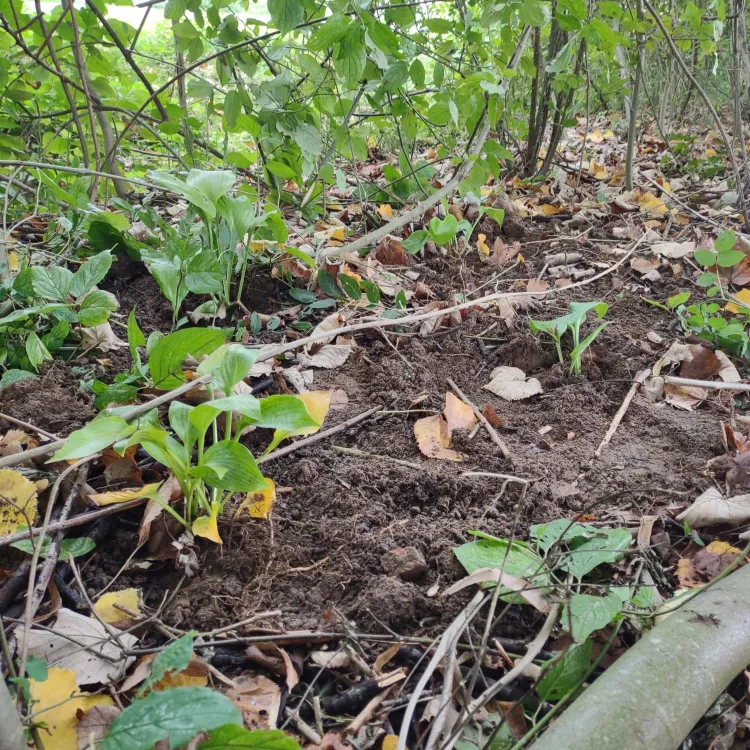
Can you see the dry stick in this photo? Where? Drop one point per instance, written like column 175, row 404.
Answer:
column 364, row 716
column 28, row 426
column 709, row 105
column 490, row 429
column 718, row 385
column 473, row 149
column 303, row 727
column 136, row 411
column 377, row 456
column 319, row 435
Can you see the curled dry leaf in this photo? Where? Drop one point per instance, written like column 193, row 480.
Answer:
column 645, row 266
column 101, row 499
column 331, row 659
column 503, row 254
column 712, row 507
column 433, row 438
column 673, row 249
column 390, row 252
column 514, row 583
column 701, row 364
column 332, row 323
column 385, row 657
column 18, row 503
column 258, row 699
column 101, row 337
column 63, row 648
column 328, row 356
column 511, row 384
column 458, row 415
column 168, row 492
column 685, row 397
column 728, row 372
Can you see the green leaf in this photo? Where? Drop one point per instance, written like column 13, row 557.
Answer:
column 241, row 473
column 730, row 258
column 328, row 284
column 444, row 230
column 678, row 299
column 287, row 413
column 607, row 547
column 560, row 530
column 232, row 107
column 232, row 736
column 174, row 658
column 439, row 25
column 584, row 614
column 94, row 437
column 96, row 307
column 725, row 241
column 286, row 14
column 308, row 139
column 177, row 714
column 415, row 241
column 212, row 184
column 68, row 547
column 36, row 351
column 566, row 674
column 235, row 366
column 497, row 214
column 168, row 354
column 535, row 12
column 190, row 193
column 396, row 75
column 14, row 376
column 333, row 30
column 36, row 668
column 135, row 336
column 351, row 57
column 706, row 279
column 417, row 73
column 90, row 273
column 51, row 282
column 350, row 286
column 706, row 258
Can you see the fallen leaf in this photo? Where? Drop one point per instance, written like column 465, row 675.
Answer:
column 91, row 729
column 385, row 657
column 128, row 598
column 511, row 384
column 390, row 252
column 539, row 288
column 258, row 699
column 17, row 501
column 685, row 397
column 458, row 415
column 743, row 296
column 482, row 245
column 433, row 438
column 711, row 507
column 703, row 364
column 502, row 254
column 259, row 504
column 327, row 357
column 101, row 337
column 169, row 491
column 492, row 416
column 644, row 265
column 88, row 665
column 673, row 249
column 331, row 322
column 728, row 372
column 385, row 210
column 649, row 203
column 123, row 496
column 55, row 705
column 484, row 575
column 331, row 659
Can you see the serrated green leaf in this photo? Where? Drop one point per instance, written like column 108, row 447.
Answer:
column 177, row 714
column 286, row 14
column 174, row 658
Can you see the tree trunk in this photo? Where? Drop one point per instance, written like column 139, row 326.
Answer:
column 11, row 735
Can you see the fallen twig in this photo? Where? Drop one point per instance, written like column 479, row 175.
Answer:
column 496, row 439
column 376, row 456
column 28, row 426
column 716, row 385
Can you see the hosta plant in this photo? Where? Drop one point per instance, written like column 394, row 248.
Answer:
column 201, row 446
column 572, row 322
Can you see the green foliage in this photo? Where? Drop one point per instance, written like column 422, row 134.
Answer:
column 174, row 658
column 68, row 547
column 572, row 322
column 232, row 736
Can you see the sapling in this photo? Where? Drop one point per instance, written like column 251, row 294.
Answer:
column 572, row 322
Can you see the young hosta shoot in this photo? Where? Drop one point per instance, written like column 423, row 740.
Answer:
column 572, row 322
column 202, row 448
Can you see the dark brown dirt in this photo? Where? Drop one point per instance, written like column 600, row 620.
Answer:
column 320, row 553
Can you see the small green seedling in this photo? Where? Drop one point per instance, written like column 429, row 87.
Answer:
column 444, row 231
column 572, row 322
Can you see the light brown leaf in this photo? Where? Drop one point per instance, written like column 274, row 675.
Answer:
column 94, row 725
column 511, row 384
column 538, row 286
column 458, row 415
column 390, row 252
column 258, row 699
column 18, row 503
column 711, row 507
column 433, row 438
column 673, row 249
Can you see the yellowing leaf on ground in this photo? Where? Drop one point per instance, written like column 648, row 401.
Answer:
column 259, row 504
column 208, row 526
column 743, row 296
column 385, row 210
column 433, row 438
column 317, row 403
column 123, row 496
column 57, row 703
column 130, row 599
column 482, row 245
column 17, row 501
column 649, row 203
column 551, row 209
column 599, row 171
column 390, row 742
column 458, row 415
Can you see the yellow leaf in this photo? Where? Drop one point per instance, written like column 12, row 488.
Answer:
column 13, row 261
column 390, row 742
column 520, row 258
column 549, row 209
column 609, row 134
column 259, row 504
column 743, row 296
column 337, row 233
column 482, row 245
column 458, row 415
column 317, row 403
column 54, row 706
column 17, row 501
column 122, row 496
column 385, row 210
column 127, row 598
column 208, row 526
column 433, row 438
column 648, row 202
column 722, row 548
column 708, row 153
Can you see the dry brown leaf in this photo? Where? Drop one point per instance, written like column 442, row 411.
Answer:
column 511, row 384
column 644, row 265
column 539, row 288
column 711, row 507
column 433, row 438
column 385, row 657
column 258, row 699
column 94, row 725
column 728, row 372
column 101, row 337
column 503, row 254
column 702, row 364
column 458, row 415
column 168, row 492
column 328, row 357
column 673, row 249
column 514, row 583
column 685, row 397
column 390, row 252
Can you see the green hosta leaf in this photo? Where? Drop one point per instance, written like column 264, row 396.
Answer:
column 332, row 31
column 535, row 12
column 190, row 193
column 94, row 437
column 286, row 14
column 36, row 351
column 174, row 658
column 241, row 473
column 68, row 547
column 560, row 530
column 565, row 675
column 235, row 367
column 90, row 273
column 14, row 376
column 497, row 214
column 168, row 354
column 232, row 737
column 51, row 282
column 96, row 307
column 584, row 614
column 212, row 184
column 608, row 547
column 287, row 413
column 177, row 714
